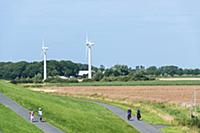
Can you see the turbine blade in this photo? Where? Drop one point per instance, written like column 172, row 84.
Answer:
column 86, row 52
column 43, row 43
column 41, row 54
column 42, row 51
column 86, row 37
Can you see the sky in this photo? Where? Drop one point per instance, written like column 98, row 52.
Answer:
column 131, row 32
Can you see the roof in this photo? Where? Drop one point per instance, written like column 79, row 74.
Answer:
column 81, row 73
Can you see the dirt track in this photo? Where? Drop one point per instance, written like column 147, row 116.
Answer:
column 172, row 94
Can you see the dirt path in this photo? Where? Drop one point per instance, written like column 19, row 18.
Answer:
column 24, row 113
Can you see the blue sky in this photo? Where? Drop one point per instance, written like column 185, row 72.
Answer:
column 132, row 32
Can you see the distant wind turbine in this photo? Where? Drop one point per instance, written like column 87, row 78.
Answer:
column 44, row 50
column 89, row 46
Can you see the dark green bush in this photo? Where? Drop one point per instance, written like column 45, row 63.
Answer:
column 88, row 80
column 98, row 76
column 19, row 81
column 59, row 80
column 109, row 79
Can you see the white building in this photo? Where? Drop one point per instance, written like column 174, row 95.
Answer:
column 82, row 73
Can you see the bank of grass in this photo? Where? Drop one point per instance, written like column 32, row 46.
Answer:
column 174, row 118
column 121, row 83
column 159, row 114
column 69, row 114
column 148, row 114
column 10, row 122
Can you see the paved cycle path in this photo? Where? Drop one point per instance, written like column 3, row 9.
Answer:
column 141, row 126
column 21, row 111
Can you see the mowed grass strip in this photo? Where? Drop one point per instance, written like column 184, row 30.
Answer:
column 134, row 83
column 10, row 122
column 69, row 114
column 120, row 83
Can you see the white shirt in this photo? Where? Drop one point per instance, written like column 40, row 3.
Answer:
column 40, row 112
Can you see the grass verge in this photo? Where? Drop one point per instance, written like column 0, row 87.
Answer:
column 10, row 122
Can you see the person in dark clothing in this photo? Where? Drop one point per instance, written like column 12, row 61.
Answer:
column 138, row 114
column 129, row 112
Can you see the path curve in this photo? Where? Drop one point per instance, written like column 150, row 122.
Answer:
column 21, row 111
column 141, row 126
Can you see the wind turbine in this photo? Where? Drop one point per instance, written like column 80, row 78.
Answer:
column 44, row 50
column 89, row 46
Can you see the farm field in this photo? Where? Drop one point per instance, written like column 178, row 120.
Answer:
column 69, row 114
column 171, row 94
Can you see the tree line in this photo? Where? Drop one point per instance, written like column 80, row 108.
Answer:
column 22, row 69
column 123, row 72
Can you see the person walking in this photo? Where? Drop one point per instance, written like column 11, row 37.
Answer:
column 139, row 114
column 31, row 114
column 129, row 113
column 40, row 113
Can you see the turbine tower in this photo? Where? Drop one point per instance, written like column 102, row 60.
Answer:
column 44, row 50
column 89, row 46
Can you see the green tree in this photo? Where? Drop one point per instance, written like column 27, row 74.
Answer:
column 98, row 76
column 152, row 70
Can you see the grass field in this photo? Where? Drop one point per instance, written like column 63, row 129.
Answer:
column 181, row 79
column 163, row 114
column 68, row 114
column 121, row 83
column 12, row 123
column 175, row 117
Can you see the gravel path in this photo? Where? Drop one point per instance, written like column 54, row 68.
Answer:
column 21, row 111
column 141, row 126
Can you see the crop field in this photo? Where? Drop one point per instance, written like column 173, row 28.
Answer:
column 171, row 94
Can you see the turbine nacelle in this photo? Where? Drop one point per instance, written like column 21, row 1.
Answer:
column 44, row 49
column 89, row 44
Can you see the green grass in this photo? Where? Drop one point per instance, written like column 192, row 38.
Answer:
column 10, row 122
column 150, row 117
column 68, row 114
column 177, row 129
column 120, row 83
column 151, row 113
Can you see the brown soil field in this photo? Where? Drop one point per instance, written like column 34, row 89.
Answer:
column 171, row 94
